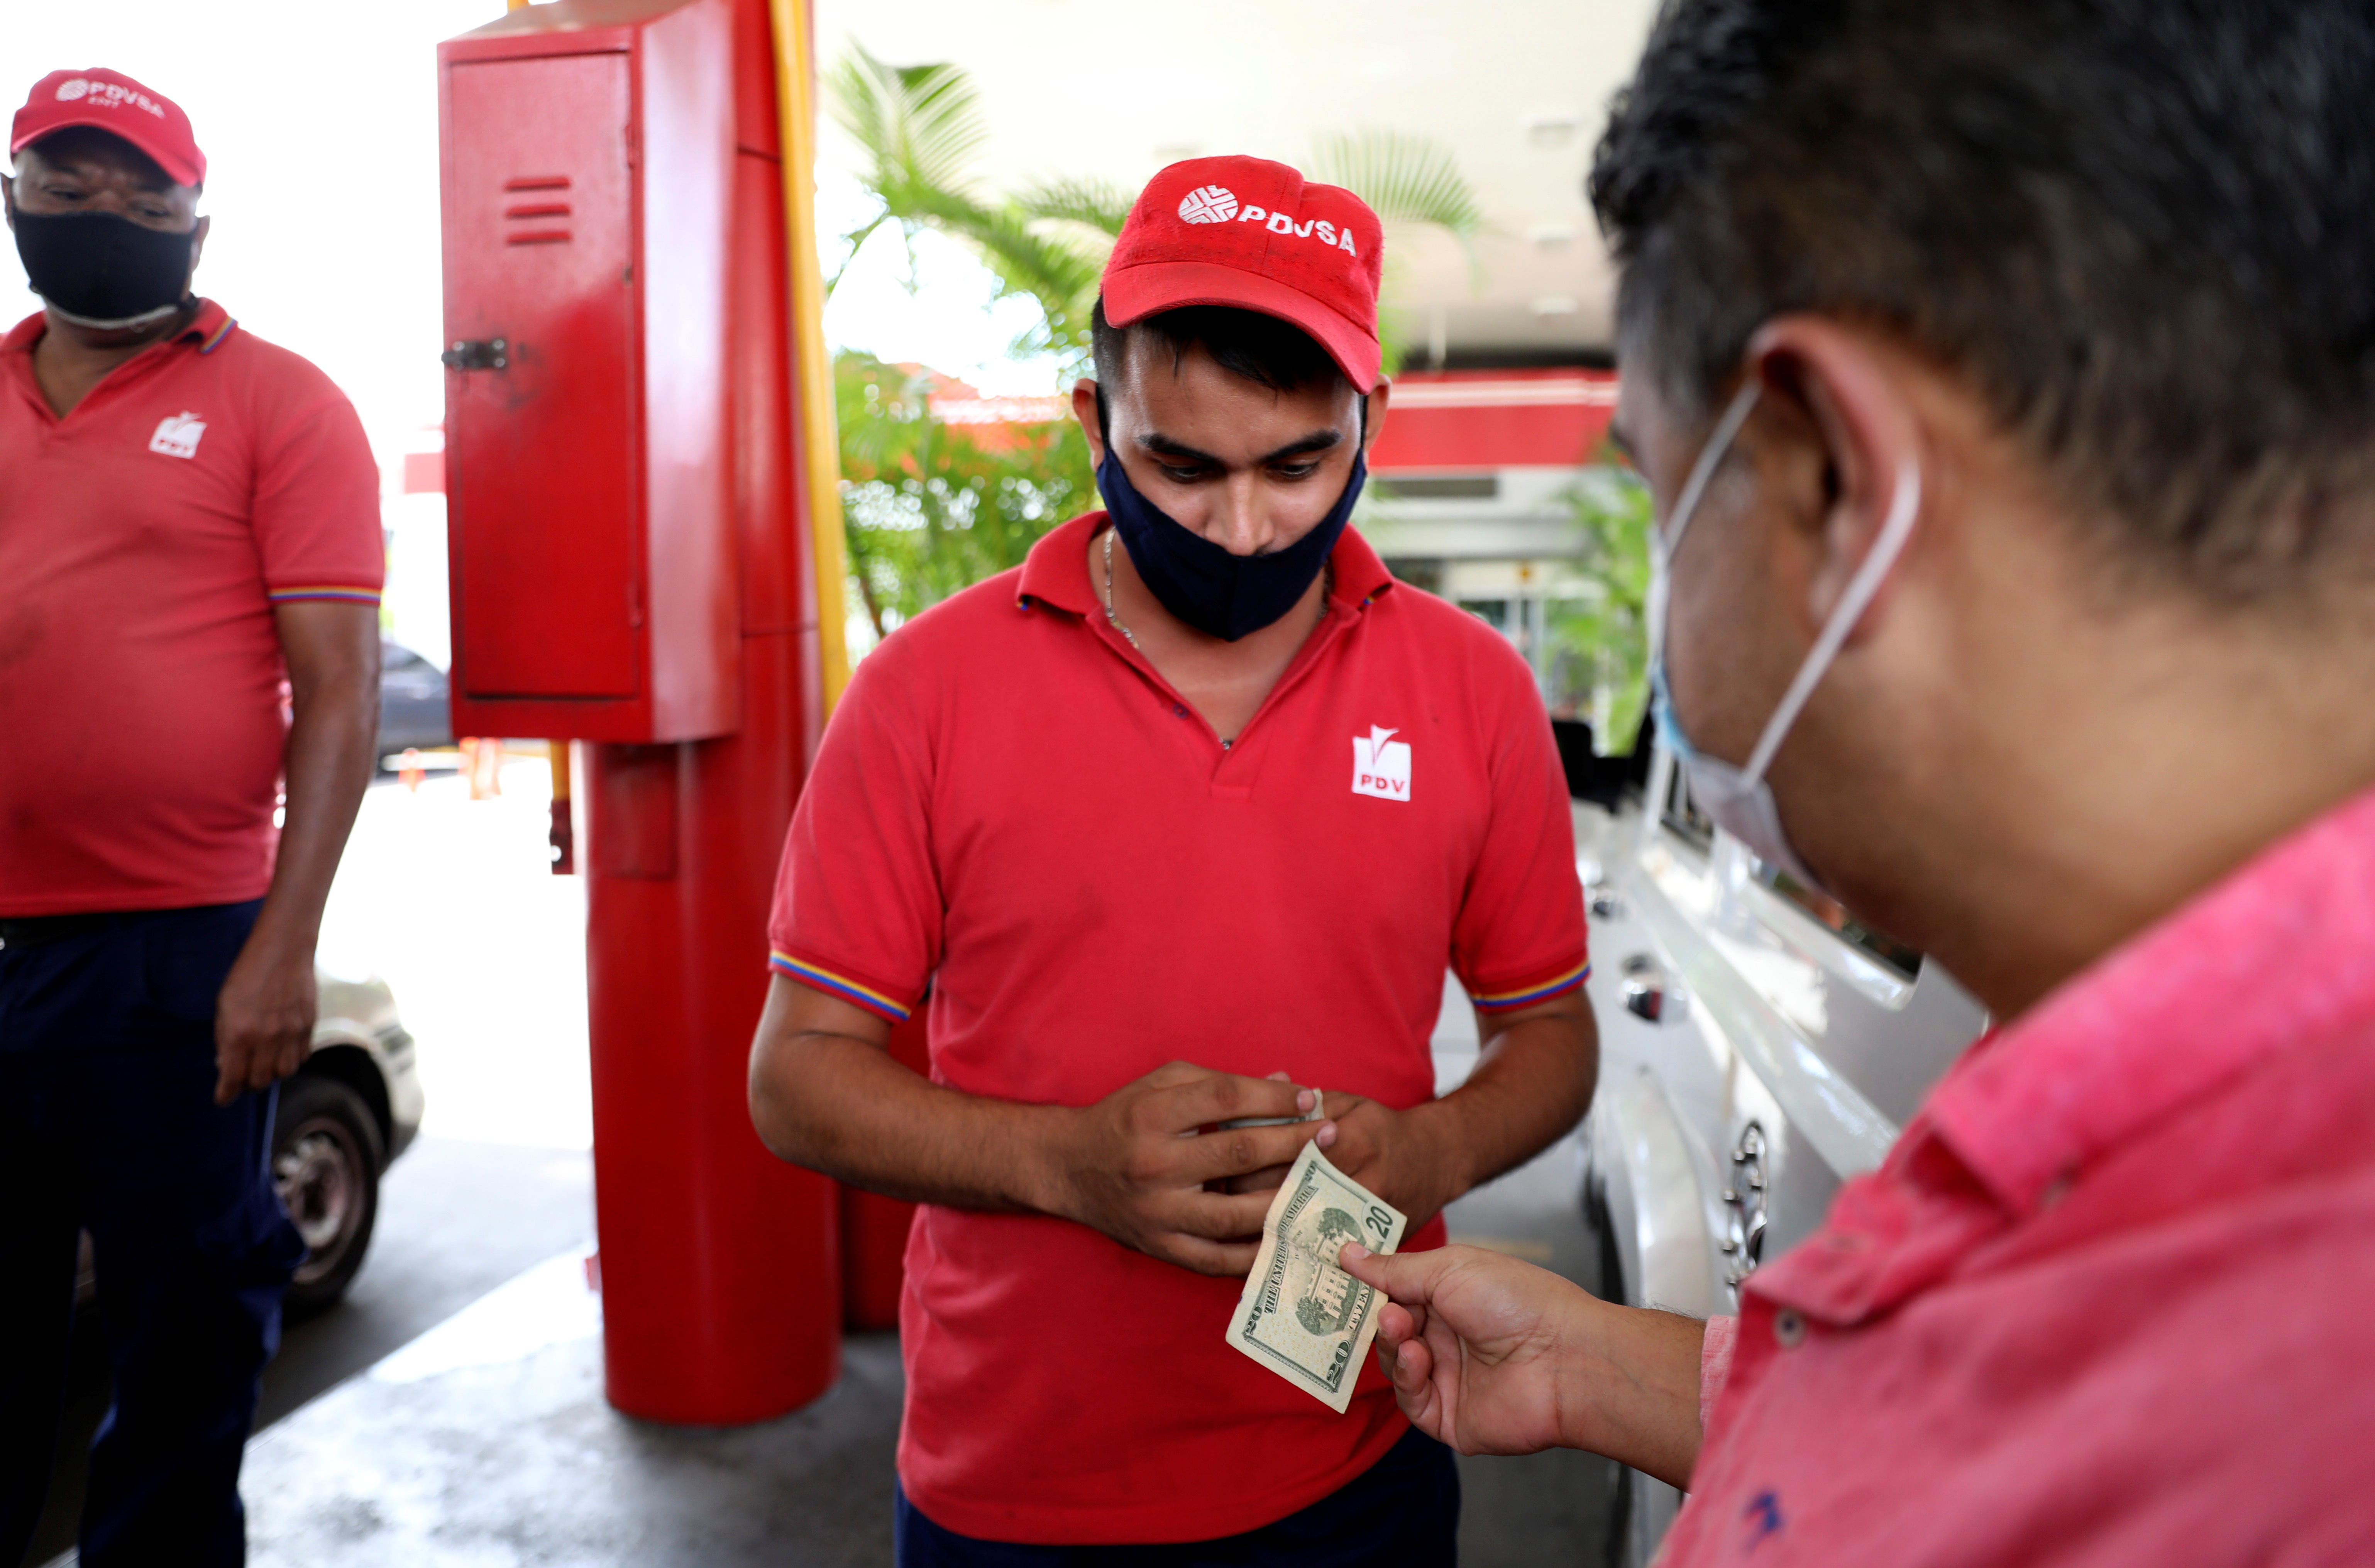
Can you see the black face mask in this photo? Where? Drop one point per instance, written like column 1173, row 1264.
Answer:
column 1219, row 593
column 103, row 270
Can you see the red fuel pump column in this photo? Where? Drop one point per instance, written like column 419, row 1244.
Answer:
column 629, row 569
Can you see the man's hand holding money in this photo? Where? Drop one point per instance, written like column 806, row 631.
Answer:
column 1401, row 1156
column 1136, row 1164
column 1496, row 1356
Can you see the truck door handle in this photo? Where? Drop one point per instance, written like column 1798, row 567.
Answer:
column 1650, row 992
column 476, row 354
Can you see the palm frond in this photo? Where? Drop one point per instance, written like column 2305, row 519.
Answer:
column 1053, row 269
column 918, row 125
column 1405, row 178
column 1091, row 203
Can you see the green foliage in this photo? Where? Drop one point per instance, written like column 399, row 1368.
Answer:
column 1607, row 632
column 1409, row 183
column 919, row 127
column 1405, row 180
column 930, row 509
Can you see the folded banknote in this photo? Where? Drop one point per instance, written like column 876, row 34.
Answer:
column 1301, row 1315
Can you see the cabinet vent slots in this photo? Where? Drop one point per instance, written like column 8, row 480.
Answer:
column 545, row 209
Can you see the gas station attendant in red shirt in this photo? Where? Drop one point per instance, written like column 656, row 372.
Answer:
column 1197, row 796
column 189, row 537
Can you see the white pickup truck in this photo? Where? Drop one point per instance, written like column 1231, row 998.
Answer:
column 1758, row 1046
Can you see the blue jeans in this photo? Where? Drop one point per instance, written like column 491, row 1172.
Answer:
column 1403, row 1510
column 108, row 1123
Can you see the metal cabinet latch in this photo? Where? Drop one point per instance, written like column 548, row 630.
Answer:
column 478, row 354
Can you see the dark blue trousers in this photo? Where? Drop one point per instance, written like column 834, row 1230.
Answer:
column 108, row 1123
column 1404, row 1509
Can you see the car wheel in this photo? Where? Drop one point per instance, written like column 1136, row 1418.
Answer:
column 325, row 1161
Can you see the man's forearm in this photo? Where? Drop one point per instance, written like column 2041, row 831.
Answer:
column 1533, row 1082
column 329, row 767
column 1628, row 1387
column 859, row 1116
column 334, row 725
column 1138, row 1165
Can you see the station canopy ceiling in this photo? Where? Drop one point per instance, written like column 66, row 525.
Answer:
column 1516, row 90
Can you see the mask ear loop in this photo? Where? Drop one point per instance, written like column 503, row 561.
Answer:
column 1711, row 457
column 1903, row 510
column 1664, row 543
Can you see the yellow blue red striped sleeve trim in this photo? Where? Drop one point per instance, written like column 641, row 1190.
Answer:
column 840, row 985
column 351, row 592
column 1505, row 1000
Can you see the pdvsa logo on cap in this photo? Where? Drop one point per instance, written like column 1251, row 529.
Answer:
column 1218, row 204
column 1212, row 204
column 108, row 95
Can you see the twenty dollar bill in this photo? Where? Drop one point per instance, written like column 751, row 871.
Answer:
column 1301, row 1316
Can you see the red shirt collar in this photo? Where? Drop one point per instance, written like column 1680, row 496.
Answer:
column 2273, row 957
column 206, row 329
column 1056, row 573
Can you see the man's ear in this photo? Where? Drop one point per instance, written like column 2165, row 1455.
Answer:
column 1084, row 410
column 1848, row 392
column 1374, row 417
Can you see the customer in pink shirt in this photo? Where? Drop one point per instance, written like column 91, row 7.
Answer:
column 2005, row 372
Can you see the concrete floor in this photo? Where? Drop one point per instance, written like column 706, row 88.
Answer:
column 487, row 1441
column 521, row 1206
column 448, row 1415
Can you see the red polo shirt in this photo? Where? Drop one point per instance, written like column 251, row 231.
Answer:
column 1012, row 803
column 2106, row 1303
column 144, row 540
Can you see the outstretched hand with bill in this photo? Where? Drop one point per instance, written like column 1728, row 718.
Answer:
column 1496, row 1356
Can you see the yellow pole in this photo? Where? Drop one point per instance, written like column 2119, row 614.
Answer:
column 811, row 363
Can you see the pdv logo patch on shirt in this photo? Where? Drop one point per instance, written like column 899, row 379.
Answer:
column 1381, row 766
column 177, row 434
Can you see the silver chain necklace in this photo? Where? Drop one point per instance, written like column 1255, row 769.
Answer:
column 1326, row 591
column 1117, row 626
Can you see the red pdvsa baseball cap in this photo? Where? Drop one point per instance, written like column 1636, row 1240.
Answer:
column 113, row 102
column 1252, row 234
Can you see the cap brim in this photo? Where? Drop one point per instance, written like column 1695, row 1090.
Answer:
column 176, row 169
column 1134, row 293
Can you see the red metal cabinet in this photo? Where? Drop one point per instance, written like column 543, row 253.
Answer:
column 588, row 187
column 629, row 556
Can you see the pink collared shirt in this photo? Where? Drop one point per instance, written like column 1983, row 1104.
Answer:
column 2111, row 1299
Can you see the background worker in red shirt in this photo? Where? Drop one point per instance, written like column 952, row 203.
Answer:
column 2022, row 357
column 1197, row 796
column 188, row 516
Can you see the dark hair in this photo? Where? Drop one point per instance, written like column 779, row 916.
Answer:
column 2144, row 230
column 1264, row 349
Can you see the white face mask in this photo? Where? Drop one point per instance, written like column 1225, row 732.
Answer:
column 1738, row 799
